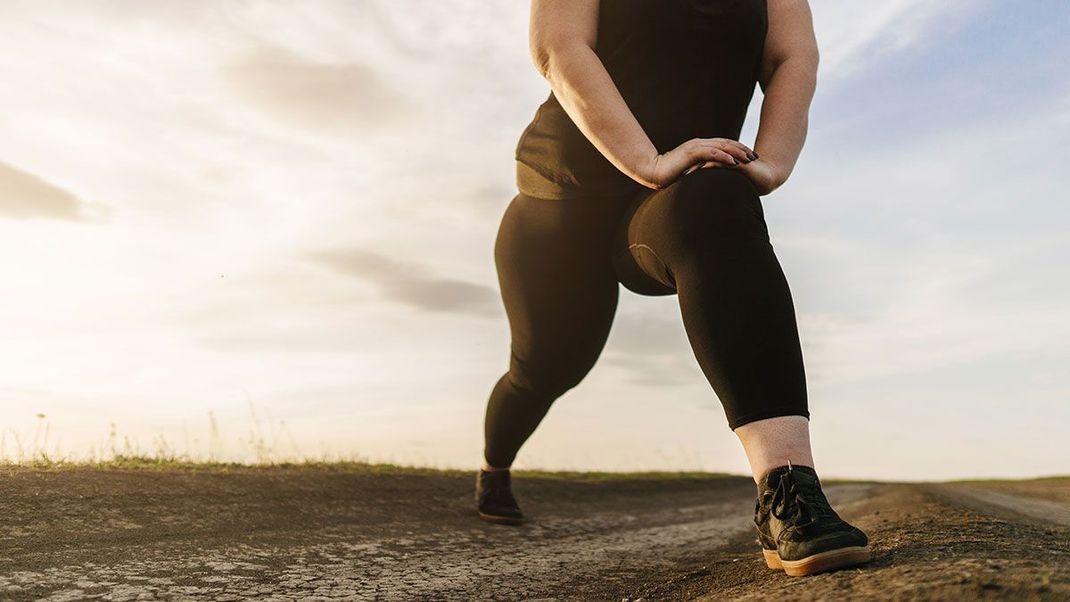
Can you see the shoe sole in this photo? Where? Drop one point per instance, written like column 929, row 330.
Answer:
column 823, row 561
column 501, row 520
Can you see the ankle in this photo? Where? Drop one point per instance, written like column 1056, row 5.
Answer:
column 485, row 467
column 760, row 473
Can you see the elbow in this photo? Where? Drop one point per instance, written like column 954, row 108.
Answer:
column 542, row 57
column 548, row 58
column 809, row 62
column 801, row 70
column 805, row 62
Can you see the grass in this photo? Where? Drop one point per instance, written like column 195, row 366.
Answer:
column 171, row 463
column 265, row 441
column 166, row 463
column 1048, row 479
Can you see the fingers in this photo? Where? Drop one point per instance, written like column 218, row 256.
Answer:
column 706, row 153
column 703, row 165
column 739, row 151
column 714, row 152
column 737, row 144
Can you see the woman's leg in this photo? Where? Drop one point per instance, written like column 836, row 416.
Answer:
column 705, row 237
column 560, row 295
column 777, row 441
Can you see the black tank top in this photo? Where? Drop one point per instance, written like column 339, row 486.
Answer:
column 686, row 68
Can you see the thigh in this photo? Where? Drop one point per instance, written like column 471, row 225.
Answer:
column 636, row 262
column 711, row 211
column 557, row 284
column 706, row 236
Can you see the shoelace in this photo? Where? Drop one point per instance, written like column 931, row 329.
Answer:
column 791, row 493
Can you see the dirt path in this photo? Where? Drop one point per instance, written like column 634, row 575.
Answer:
column 279, row 533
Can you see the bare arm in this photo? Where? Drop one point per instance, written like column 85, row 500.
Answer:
column 562, row 41
column 788, row 78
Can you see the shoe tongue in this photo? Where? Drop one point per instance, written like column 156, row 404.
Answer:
column 772, row 478
column 806, row 470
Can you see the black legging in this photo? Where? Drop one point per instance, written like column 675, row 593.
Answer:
column 703, row 237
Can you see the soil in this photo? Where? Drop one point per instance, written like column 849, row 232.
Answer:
column 280, row 533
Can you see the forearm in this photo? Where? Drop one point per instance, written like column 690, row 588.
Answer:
column 588, row 94
column 785, row 114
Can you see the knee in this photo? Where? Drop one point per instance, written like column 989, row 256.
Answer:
column 544, row 382
column 717, row 204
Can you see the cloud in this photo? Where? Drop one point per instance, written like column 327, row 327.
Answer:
column 851, row 34
column 24, row 195
column 946, row 264
column 412, row 284
column 922, row 255
column 328, row 96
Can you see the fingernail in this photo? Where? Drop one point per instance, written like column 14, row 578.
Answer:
column 734, row 162
column 755, row 155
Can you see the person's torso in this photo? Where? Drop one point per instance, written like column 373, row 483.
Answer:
column 686, row 68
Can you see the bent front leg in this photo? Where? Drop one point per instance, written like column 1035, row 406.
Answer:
column 705, row 236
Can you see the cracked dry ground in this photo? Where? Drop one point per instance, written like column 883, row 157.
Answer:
column 349, row 533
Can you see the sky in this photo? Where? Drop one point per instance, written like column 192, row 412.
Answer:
column 264, row 230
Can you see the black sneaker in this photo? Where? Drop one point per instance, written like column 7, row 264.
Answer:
column 494, row 498
column 798, row 529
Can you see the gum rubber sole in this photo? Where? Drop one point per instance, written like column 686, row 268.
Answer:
column 501, row 520
column 824, row 561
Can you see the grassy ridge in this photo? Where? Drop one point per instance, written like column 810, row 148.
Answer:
column 145, row 462
column 171, row 463
column 1048, row 479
